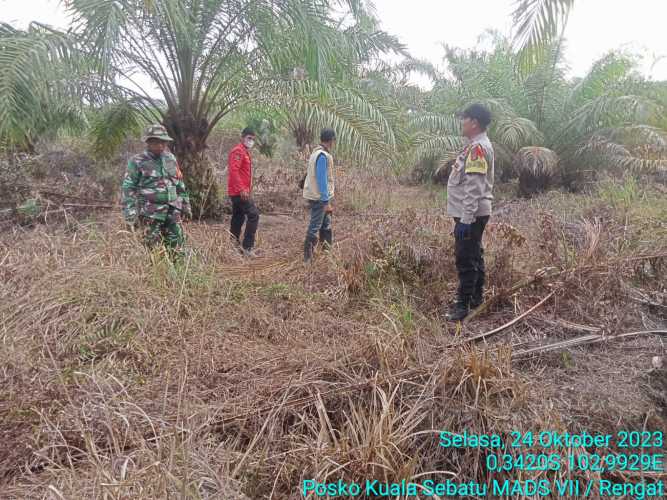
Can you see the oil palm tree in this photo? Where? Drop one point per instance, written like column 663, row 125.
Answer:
column 612, row 118
column 179, row 62
column 188, row 63
column 316, row 80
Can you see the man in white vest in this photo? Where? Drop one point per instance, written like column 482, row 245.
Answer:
column 318, row 189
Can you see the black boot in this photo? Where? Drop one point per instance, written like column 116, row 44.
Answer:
column 477, row 298
column 326, row 238
column 478, row 293
column 459, row 309
column 308, row 247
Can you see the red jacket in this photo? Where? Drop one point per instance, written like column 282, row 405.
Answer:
column 239, row 176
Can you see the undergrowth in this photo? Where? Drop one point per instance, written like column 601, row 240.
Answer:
column 126, row 376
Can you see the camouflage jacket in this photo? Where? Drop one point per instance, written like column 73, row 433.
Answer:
column 154, row 188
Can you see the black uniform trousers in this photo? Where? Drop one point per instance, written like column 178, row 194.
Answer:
column 470, row 259
column 244, row 211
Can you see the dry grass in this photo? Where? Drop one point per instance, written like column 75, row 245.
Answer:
column 126, row 377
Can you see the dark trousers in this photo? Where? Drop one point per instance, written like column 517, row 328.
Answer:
column 470, row 260
column 244, row 211
column 320, row 221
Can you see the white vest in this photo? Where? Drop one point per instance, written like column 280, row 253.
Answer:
column 311, row 190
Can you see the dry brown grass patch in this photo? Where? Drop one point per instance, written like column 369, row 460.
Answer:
column 125, row 376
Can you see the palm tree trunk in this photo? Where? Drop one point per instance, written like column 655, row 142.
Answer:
column 303, row 136
column 201, row 183
column 190, row 149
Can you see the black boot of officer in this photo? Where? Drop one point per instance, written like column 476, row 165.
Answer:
column 478, row 294
column 459, row 309
column 470, row 268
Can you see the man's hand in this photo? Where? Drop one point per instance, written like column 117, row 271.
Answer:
column 329, row 208
column 187, row 213
column 130, row 217
column 245, row 195
column 462, row 231
column 132, row 223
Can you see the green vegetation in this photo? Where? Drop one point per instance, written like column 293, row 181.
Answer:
column 548, row 130
column 203, row 59
column 292, row 67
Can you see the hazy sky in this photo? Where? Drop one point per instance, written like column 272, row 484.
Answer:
column 595, row 27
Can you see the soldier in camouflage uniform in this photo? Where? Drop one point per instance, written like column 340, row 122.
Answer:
column 154, row 194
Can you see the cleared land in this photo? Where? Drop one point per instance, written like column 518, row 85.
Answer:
column 124, row 377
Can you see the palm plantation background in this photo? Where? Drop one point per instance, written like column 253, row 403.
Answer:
column 294, row 66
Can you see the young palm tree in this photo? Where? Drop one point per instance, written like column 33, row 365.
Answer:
column 611, row 118
column 316, row 82
column 182, row 63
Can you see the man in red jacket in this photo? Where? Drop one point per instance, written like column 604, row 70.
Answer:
column 239, row 187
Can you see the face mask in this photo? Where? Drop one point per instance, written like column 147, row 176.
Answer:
column 249, row 143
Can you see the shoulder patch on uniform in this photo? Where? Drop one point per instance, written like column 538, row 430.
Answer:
column 476, row 161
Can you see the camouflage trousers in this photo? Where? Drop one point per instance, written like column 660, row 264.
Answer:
column 168, row 233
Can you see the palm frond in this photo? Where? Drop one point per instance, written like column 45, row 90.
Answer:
column 606, row 76
column 433, row 138
column 368, row 44
column 363, row 125
column 113, row 125
column 438, row 149
column 544, row 83
column 70, row 119
column 102, row 24
column 636, row 148
column 538, row 23
column 422, row 67
column 611, row 111
column 428, row 123
column 29, row 87
column 514, row 132
column 651, row 139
